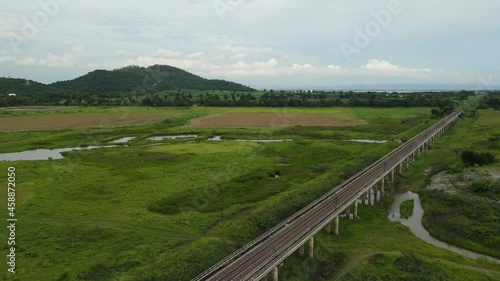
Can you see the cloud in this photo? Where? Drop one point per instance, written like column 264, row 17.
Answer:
column 382, row 66
column 162, row 53
column 4, row 59
column 242, row 49
column 238, row 56
column 27, row 61
column 334, row 67
column 53, row 60
column 195, row 55
column 122, row 53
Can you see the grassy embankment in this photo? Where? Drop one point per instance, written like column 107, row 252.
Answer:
column 144, row 212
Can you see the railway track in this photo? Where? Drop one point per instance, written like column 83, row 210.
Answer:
column 271, row 248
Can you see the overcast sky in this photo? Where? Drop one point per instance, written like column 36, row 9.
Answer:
column 257, row 42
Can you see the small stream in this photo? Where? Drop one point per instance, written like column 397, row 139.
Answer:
column 414, row 222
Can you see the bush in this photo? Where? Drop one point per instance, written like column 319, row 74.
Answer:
column 480, row 186
column 457, row 167
column 408, row 262
column 471, row 158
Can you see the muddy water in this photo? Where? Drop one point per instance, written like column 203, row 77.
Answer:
column 43, row 154
column 414, row 222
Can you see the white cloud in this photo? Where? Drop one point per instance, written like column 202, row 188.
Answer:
column 195, row 55
column 53, row 60
column 334, row 67
column 56, row 61
column 238, row 56
column 122, row 53
column 27, row 61
column 382, row 66
column 162, row 53
column 242, row 49
column 4, row 59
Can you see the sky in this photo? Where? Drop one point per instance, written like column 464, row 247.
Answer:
column 260, row 43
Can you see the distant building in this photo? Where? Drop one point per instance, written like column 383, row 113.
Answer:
column 12, row 95
column 28, row 83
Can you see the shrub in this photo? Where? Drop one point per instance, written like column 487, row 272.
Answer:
column 457, row 167
column 480, row 186
column 408, row 262
column 472, row 158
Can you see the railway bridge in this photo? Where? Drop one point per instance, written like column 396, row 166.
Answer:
column 261, row 258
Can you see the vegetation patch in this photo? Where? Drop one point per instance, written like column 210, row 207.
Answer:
column 269, row 120
column 406, row 208
column 57, row 122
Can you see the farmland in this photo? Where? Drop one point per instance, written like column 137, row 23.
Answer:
column 269, row 120
column 169, row 211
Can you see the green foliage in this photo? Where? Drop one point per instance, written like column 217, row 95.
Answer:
column 457, row 167
column 472, row 158
column 480, row 186
column 406, row 208
column 462, row 220
column 408, row 262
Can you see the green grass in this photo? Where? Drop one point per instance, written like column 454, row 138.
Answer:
column 458, row 219
column 168, row 212
column 357, row 255
column 126, row 212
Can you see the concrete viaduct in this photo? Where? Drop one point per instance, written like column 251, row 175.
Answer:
column 261, row 258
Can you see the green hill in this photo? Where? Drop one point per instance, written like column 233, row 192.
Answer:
column 131, row 80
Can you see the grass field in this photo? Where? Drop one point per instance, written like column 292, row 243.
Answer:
column 77, row 121
column 168, row 212
column 270, row 120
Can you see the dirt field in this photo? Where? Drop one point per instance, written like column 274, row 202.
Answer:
column 271, row 120
column 73, row 121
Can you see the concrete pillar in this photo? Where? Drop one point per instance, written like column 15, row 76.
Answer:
column 348, row 211
column 328, row 228
column 363, row 198
column 301, row 250
column 392, row 178
column 311, row 247
column 372, row 199
column 407, row 162
column 382, row 186
column 336, row 225
column 356, row 209
column 264, row 278
column 413, row 155
column 275, row 274
column 401, row 167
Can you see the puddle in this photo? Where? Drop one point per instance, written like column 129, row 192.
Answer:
column 369, row 141
column 215, row 138
column 43, row 154
column 160, row 138
column 123, row 140
column 414, row 222
column 263, row 140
